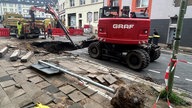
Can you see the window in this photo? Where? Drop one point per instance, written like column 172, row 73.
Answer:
column 42, row 14
column 82, row 2
column 72, row 3
column 142, row 3
column 95, row 16
column 177, row 2
column 32, row 1
column 4, row 4
column 80, row 15
column 94, row 1
column 11, row 10
column 115, row 2
column 37, row 1
column 89, row 17
column 5, row 9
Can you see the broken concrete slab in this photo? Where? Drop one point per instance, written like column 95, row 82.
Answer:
column 77, row 96
column 43, row 99
column 67, row 89
column 92, row 75
column 9, row 68
column 78, row 86
column 14, row 55
column 5, row 78
column 4, row 99
column 17, row 64
column 36, row 79
column 3, row 51
column 26, row 57
column 21, row 67
column 43, row 84
column 10, row 90
column 7, row 83
column 88, row 91
column 109, row 78
column 76, row 105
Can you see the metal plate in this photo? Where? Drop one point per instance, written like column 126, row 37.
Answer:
column 46, row 69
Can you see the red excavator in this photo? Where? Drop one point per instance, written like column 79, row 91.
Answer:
column 123, row 35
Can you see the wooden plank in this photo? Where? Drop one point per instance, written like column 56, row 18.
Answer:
column 3, row 51
column 26, row 57
column 14, row 56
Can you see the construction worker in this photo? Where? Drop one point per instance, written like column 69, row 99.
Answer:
column 156, row 37
column 150, row 39
column 49, row 31
column 19, row 28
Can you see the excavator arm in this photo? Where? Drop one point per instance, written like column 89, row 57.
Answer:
column 51, row 11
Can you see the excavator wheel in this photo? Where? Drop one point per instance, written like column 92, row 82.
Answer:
column 136, row 59
column 95, row 50
column 147, row 57
column 154, row 54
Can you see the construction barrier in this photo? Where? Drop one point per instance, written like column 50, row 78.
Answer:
column 4, row 32
column 72, row 32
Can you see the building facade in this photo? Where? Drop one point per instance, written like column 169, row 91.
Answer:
column 23, row 6
column 78, row 13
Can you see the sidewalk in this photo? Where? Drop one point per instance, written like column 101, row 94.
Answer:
column 165, row 49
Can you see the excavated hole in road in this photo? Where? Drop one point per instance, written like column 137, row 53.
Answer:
column 56, row 47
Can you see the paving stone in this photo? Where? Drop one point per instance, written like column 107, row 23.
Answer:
column 20, row 78
column 36, row 79
column 57, row 82
column 76, row 105
column 10, row 90
column 18, row 93
column 77, row 96
column 88, row 91
column 21, row 67
column 59, row 97
column 10, row 72
column 98, row 98
column 22, row 100
column 5, row 64
column 110, row 79
column 91, row 75
column 17, row 64
column 9, row 68
column 4, row 99
column 3, row 73
column 78, row 86
column 43, row 84
column 31, row 89
column 100, row 78
column 28, row 73
column 51, row 89
column 67, row 89
column 44, row 99
column 114, row 86
column 5, row 78
column 92, row 104
column 7, row 83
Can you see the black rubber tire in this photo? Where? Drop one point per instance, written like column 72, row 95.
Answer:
column 147, row 57
column 94, row 50
column 155, row 54
column 136, row 60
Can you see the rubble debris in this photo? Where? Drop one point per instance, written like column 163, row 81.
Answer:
column 14, row 56
column 128, row 97
column 26, row 57
column 3, row 51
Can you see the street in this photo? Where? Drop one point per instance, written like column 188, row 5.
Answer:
column 156, row 70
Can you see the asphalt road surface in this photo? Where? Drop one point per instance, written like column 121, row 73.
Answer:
column 156, row 70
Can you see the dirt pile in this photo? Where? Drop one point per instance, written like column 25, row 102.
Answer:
column 132, row 96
